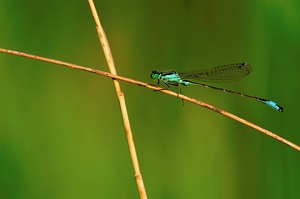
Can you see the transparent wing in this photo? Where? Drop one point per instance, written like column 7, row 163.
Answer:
column 224, row 73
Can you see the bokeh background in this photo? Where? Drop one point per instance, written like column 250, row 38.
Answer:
column 61, row 132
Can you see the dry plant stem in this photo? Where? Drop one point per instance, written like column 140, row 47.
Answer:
column 120, row 94
column 200, row 103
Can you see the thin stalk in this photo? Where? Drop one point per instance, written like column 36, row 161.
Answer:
column 121, row 97
column 155, row 88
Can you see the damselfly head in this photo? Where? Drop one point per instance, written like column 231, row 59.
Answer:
column 154, row 74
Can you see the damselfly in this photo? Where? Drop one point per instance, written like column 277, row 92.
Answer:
column 224, row 73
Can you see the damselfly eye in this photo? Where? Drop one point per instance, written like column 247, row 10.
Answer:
column 154, row 74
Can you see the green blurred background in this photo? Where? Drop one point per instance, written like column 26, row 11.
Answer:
column 61, row 133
